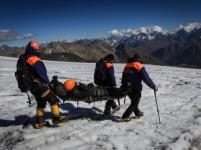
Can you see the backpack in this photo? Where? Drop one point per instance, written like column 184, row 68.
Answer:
column 22, row 75
column 99, row 74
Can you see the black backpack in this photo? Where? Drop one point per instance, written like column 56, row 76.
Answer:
column 22, row 75
column 99, row 74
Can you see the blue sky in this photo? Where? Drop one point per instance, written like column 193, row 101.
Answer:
column 74, row 19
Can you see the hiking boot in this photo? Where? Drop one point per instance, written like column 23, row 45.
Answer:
column 127, row 119
column 107, row 108
column 40, row 125
column 139, row 114
column 115, row 109
column 59, row 119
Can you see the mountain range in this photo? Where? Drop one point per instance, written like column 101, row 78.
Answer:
column 156, row 45
column 180, row 48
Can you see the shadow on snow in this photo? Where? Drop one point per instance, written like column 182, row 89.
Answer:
column 74, row 113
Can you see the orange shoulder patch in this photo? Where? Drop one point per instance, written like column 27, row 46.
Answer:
column 108, row 65
column 32, row 60
column 129, row 65
column 137, row 65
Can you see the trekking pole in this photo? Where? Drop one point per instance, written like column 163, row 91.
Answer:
column 118, row 102
column 157, row 107
column 124, row 99
column 30, row 98
column 77, row 104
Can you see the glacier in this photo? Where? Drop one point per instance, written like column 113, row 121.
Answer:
column 178, row 98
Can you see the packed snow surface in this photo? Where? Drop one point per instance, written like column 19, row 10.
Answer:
column 179, row 99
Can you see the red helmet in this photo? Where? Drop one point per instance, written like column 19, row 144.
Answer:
column 33, row 44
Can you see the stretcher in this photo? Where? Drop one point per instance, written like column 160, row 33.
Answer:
column 88, row 93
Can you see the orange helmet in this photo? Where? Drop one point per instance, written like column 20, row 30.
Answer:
column 69, row 85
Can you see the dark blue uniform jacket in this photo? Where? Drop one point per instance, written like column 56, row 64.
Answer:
column 134, row 73
column 38, row 68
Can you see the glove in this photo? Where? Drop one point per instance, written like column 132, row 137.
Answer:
column 156, row 88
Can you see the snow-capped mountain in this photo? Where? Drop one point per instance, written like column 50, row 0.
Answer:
column 143, row 33
column 189, row 27
column 146, row 30
column 157, row 45
column 181, row 47
column 147, row 33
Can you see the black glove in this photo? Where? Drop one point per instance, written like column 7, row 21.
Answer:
column 156, row 88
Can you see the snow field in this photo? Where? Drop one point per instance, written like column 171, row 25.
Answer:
column 178, row 98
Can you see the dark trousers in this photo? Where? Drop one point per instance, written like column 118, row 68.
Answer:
column 135, row 99
column 37, row 89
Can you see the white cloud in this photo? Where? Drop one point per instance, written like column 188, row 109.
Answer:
column 28, row 35
column 9, row 35
column 4, row 30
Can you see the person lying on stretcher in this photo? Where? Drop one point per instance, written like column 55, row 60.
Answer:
column 72, row 89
